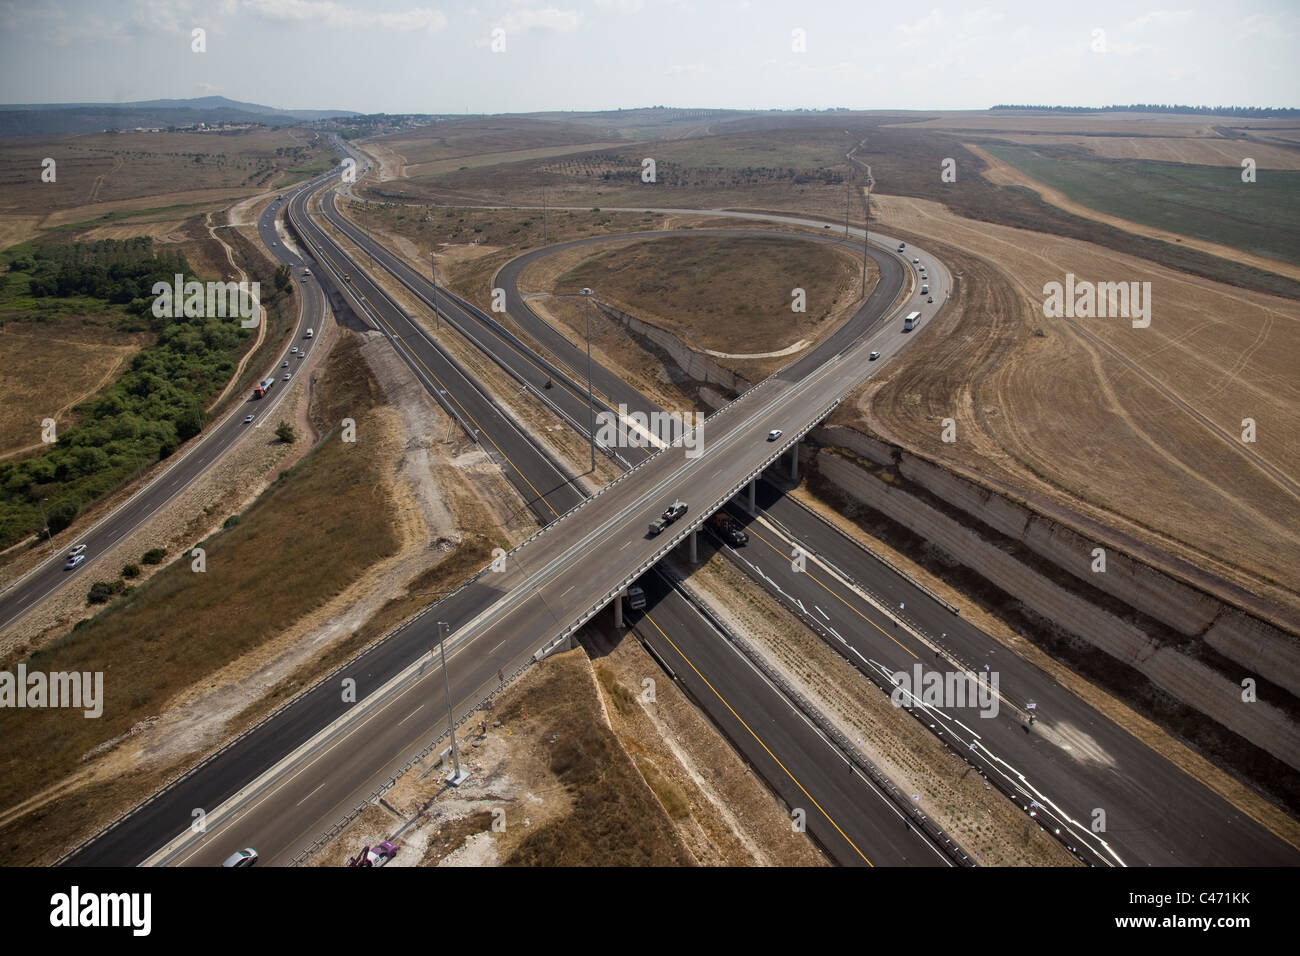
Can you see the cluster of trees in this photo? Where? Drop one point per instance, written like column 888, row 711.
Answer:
column 1251, row 112
column 143, row 416
column 120, row 272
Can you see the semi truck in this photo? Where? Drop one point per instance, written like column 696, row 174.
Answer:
column 262, row 387
column 729, row 529
column 671, row 514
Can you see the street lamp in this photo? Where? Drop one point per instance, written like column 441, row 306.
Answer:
column 458, row 776
column 433, row 263
column 866, row 236
column 591, row 406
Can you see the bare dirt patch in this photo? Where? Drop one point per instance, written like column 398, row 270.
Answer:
column 550, row 785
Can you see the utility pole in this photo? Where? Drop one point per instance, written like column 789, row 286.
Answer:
column 458, row 776
column 591, row 406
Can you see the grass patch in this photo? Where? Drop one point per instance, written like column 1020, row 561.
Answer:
column 1204, row 202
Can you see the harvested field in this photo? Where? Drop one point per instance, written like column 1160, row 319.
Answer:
column 1137, row 428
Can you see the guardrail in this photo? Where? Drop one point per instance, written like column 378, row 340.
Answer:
column 907, row 808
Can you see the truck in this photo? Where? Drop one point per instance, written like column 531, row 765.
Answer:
column 262, row 387
column 909, row 323
column 729, row 529
column 636, row 598
column 671, row 514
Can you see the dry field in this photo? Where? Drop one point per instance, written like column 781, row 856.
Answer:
column 801, row 169
column 112, row 176
column 1200, row 150
column 1137, row 428
column 1116, row 123
column 51, row 367
column 725, row 296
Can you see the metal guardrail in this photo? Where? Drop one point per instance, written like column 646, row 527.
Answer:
column 911, row 813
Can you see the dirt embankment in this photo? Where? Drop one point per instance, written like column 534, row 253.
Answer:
column 573, row 766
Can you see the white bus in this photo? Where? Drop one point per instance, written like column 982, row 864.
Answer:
column 909, row 323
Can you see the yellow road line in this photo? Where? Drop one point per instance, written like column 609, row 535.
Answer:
column 760, row 743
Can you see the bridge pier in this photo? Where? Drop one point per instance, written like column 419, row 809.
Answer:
column 618, row 608
column 794, row 462
column 753, row 496
column 695, row 555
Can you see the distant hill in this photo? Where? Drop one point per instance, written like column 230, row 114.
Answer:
column 53, row 119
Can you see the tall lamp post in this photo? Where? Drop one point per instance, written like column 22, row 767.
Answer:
column 433, row 267
column 866, row 236
column 591, row 406
column 458, row 776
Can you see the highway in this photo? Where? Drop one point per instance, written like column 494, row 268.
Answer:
column 535, row 597
column 190, row 462
column 546, row 605
column 1074, row 760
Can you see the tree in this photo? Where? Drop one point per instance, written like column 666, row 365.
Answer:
column 284, row 432
column 282, row 277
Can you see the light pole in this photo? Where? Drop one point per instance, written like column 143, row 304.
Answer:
column 433, row 267
column 458, row 776
column 45, row 521
column 866, row 236
column 591, row 405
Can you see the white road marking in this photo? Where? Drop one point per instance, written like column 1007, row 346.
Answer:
column 410, row 715
column 309, row 796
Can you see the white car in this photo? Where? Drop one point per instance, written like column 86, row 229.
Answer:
column 915, row 260
column 74, row 561
column 294, row 350
column 286, row 376
column 79, row 549
column 240, row 858
column 873, row 356
column 248, row 420
column 774, row 434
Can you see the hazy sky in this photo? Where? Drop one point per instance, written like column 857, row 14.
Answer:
column 396, row 56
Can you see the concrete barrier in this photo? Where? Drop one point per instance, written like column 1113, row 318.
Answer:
column 1191, row 681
